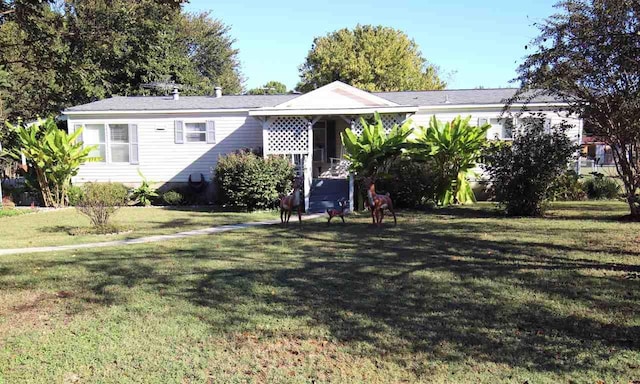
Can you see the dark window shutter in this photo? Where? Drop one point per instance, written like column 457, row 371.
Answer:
column 211, row 132
column 133, row 144
column 179, row 132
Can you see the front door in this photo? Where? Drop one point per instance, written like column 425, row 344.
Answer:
column 320, row 142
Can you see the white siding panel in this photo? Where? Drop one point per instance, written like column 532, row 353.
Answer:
column 421, row 118
column 162, row 160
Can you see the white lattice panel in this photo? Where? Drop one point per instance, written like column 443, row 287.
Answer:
column 388, row 120
column 288, row 134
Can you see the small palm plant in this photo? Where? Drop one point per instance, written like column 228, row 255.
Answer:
column 144, row 194
column 454, row 148
column 374, row 150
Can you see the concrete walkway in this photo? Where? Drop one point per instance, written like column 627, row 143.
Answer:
column 154, row 239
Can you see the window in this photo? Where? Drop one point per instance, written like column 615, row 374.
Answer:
column 503, row 128
column 507, row 129
column 196, row 132
column 119, row 142
column 116, row 143
column 94, row 134
column 534, row 121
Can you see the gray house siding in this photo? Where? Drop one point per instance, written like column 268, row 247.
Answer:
column 160, row 158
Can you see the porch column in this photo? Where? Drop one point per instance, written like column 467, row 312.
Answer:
column 265, row 137
column 308, row 166
column 351, row 191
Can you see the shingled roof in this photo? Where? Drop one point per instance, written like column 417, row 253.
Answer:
column 408, row 98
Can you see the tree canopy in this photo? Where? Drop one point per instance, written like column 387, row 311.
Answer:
column 587, row 56
column 373, row 58
column 270, row 88
column 54, row 54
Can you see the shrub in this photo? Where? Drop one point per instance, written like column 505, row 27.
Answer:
column 172, row 198
column 522, row 173
column 599, row 187
column 567, row 187
column 250, row 182
column 411, row 184
column 144, row 194
column 74, row 194
column 101, row 200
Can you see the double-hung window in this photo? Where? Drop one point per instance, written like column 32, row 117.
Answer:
column 119, row 143
column 94, row 134
column 116, row 143
column 502, row 128
column 196, row 132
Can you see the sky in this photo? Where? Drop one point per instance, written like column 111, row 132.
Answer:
column 474, row 42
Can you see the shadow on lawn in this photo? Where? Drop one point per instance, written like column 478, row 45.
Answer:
column 424, row 286
column 391, row 294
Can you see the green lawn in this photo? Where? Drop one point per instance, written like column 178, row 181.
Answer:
column 458, row 295
column 7, row 212
column 54, row 227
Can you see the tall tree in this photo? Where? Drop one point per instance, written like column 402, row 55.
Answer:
column 373, row 58
column 270, row 88
column 587, row 56
column 64, row 52
column 208, row 46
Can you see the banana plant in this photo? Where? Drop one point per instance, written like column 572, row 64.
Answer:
column 454, row 148
column 55, row 156
column 371, row 152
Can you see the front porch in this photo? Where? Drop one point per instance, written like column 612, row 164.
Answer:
column 307, row 130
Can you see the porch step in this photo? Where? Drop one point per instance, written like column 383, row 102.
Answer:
column 325, row 194
column 322, row 206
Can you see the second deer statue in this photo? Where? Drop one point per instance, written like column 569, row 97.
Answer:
column 378, row 203
column 290, row 202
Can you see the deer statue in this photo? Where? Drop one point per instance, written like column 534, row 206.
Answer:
column 378, row 203
column 289, row 202
column 337, row 212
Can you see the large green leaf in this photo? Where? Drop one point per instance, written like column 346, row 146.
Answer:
column 454, row 148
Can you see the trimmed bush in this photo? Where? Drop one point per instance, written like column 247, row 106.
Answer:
column 247, row 181
column 101, row 200
column 172, row 198
column 599, row 187
column 74, row 193
column 567, row 187
column 522, row 173
column 411, row 184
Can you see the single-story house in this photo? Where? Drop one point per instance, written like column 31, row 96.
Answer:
column 170, row 138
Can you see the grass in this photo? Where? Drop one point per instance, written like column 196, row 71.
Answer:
column 459, row 295
column 7, row 212
column 68, row 226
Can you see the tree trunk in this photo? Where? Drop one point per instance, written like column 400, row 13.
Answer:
column 44, row 188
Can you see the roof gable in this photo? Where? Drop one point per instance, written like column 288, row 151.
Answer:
column 336, row 95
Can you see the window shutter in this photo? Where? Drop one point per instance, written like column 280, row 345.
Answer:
column 211, row 132
column 179, row 132
column 133, row 144
column 76, row 127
